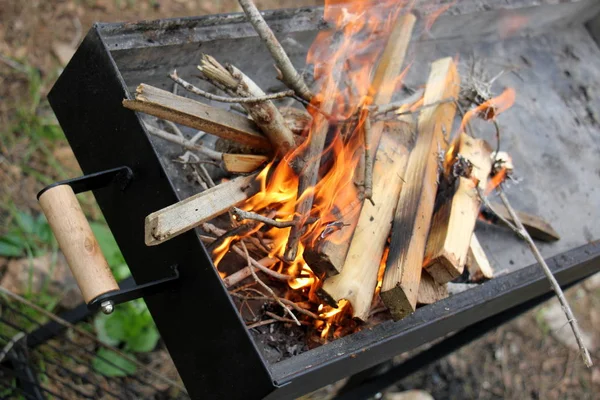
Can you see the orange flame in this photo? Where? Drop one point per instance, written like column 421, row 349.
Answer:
column 491, row 108
column 344, row 59
column 496, row 180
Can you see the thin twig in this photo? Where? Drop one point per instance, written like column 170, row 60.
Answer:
column 462, row 115
column 285, row 301
column 86, row 334
column 14, row 64
column 238, row 231
column 386, row 108
column 218, row 231
column 210, row 153
column 436, row 103
column 241, row 215
column 497, row 126
column 368, row 160
column 261, row 323
column 278, row 318
column 289, row 74
column 489, row 206
column 206, row 176
column 175, row 129
column 196, row 90
column 267, row 288
column 257, row 265
column 522, row 232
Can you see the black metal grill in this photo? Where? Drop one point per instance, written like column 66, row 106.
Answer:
column 208, row 341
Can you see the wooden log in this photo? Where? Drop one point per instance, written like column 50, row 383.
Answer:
column 328, row 257
column 263, row 113
column 415, row 207
column 430, row 291
column 187, row 112
column 453, row 223
column 243, row 163
column 536, row 226
column 357, row 280
column 477, row 262
column 181, row 217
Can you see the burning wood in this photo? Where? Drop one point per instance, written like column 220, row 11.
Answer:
column 415, row 206
column 358, row 279
column 301, row 227
column 328, row 256
column 454, row 220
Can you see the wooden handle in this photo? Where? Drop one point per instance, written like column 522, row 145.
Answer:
column 77, row 242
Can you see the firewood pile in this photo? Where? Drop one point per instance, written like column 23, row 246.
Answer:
column 351, row 208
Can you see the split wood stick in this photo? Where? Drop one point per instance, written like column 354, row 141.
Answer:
column 181, row 217
column 245, row 272
column 537, row 227
column 430, row 291
column 328, row 256
column 477, row 262
column 242, row 163
column 357, row 280
column 181, row 110
column 453, row 223
column 288, row 73
column 263, row 113
column 183, row 142
column 415, row 207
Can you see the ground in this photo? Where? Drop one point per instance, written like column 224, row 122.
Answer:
column 526, row 358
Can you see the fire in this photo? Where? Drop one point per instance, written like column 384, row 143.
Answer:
column 343, row 59
column 361, row 30
column 491, row 108
column 496, row 180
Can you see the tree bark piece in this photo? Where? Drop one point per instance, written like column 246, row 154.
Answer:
column 430, row 291
column 357, row 280
column 328, row 257
column 289, row 74
column 537, row 227
column 242, row 163
column 415, row 207
column 263, row 113
column 477, row 262
column 191, row 113
column 181, row 217
column 453, row 223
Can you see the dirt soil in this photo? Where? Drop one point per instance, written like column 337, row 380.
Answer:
column 523, row 359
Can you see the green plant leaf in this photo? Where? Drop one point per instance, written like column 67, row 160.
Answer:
column 26, row 222
column 100, row 326
column 43, row 230
column 145, row 341
column 116, row 325
column 110, row 364
column 121, row 272
column 8, row 249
